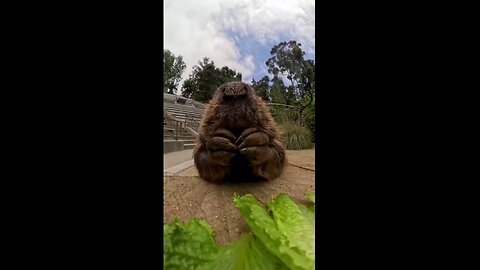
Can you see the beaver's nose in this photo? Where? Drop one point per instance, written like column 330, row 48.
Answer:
column 234, row 91
column 229, row 91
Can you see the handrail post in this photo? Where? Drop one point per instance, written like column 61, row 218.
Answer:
column 176, row 130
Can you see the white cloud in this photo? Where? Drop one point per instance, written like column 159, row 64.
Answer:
column 191, row 31
column 197, row 29
column 272, row 20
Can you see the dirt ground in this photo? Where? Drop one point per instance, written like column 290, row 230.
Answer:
column 187, row 196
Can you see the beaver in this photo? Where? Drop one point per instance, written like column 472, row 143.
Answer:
column 238, row 139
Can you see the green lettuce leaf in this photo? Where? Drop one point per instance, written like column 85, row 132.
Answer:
column 283, row 237
column 289, row 234
column 187, row 245
column 245, row 253
column 191, row 246
column 296, row 223
column 310, row 196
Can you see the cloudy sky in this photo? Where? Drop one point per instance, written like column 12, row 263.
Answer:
column 236, row 33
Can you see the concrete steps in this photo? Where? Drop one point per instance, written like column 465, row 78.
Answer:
column 183, row 108
column 172, row 130
column 181, row 136
column 184, row 113
column 183, row 141
column 179, row 106
column 178, row 109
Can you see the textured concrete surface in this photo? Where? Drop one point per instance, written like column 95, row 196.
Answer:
column 175, row 158
column 186, row 195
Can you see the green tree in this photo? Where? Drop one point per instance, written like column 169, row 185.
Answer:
column 262, row 88
column 279, row 91
column 205, row 79
column 173, row 67
column 287, row 59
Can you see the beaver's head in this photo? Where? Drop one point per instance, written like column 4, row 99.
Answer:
column 237, row 105
column 232, row 92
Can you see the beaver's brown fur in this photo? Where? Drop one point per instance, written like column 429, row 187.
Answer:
column 238, row 138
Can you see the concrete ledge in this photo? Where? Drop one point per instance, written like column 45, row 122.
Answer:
column 178, row 168
column 172, row 146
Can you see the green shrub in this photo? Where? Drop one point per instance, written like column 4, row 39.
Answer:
column 284, row 114
column 295, row 136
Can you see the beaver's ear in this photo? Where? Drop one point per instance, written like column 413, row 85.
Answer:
column 249, row 89
column 217, row 94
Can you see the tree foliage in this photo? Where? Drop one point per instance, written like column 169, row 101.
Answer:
column 288, row 60
column 279, row 91
column 262, row 88
column 206, row 78
column 173, row 67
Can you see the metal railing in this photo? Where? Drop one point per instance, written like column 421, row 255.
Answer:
column 178, row 125
column 192, row 117
column 192, row 120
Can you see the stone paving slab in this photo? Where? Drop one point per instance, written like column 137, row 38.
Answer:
column 175, row 158
column 177, row 169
